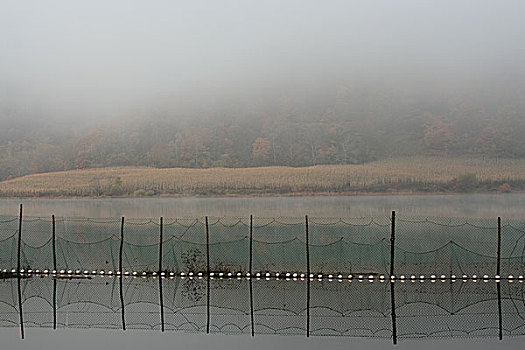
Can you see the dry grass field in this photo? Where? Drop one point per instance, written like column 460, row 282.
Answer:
column 403, row 174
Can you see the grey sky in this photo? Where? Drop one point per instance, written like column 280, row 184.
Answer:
column 97, row 59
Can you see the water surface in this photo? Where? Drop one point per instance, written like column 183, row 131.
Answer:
column 471, row 205
column 426, row 309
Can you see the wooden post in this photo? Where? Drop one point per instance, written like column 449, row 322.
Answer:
column 18, row 264
column 498, row 267
column 121, row 276
column 251, row 306
column 20, row 308
column 54, row 244
column 208, row 276
column 122, row 302
column 208, row 304
column 121, row 246
column 307, row 240
column 307, row 234
column 251, row 271
column 160, row 277
column 498, row 285
column 392, row 241
column 207, row 247
column 393, row 311
column 160, row 244
column 54, row 303
column 392, row 284
column 161, row 304
column 500, row 316
column 18, row 273
column 251, row 245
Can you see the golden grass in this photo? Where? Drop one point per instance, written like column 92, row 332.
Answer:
column 322, row 178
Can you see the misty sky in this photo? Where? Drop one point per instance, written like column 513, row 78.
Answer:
column 104, row 59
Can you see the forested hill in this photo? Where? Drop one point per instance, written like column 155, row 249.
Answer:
column 345, row 127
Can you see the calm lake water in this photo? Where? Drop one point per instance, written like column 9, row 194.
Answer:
column 473, row 205
column 278, row 310
column 89, row 339
column 362, row 308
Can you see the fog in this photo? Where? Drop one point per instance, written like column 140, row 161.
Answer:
column 95, row 61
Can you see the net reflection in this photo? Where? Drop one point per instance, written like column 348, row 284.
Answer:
column 410, row 309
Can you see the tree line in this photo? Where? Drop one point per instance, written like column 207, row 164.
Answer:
column 349, row 129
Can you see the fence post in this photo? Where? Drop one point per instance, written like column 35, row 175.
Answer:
column 392, row 284
column 393, row 311
column 121, row 246
column 54, row 303
column 392, row 241
column 500, row 316
column 307, row 234
column 160, row 243
column 18, row 274
column 251, row 307
column 250, row 281
column 54, row 244
column 54, row 269
column 208, row 276
column 207, row 247
column 19, row 241
column 121, row 276
column 161, row 297
column 251, row 244
column 498, row 267
column 20, row 307
column 498, row 271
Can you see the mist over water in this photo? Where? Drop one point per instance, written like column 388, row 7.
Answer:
column 465, row 206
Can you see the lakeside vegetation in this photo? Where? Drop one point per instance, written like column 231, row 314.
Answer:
column 407, row 174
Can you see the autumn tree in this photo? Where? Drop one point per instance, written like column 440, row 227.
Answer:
column 438, row 136
column 261, row 150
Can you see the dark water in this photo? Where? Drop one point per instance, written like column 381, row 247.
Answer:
column 473, row 205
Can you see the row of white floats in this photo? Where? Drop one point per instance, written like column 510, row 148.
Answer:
column 267, row 275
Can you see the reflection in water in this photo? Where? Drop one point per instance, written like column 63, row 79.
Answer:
column 419, row 309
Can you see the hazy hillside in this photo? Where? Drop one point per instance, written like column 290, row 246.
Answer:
column 346, row 128
column 258, row 84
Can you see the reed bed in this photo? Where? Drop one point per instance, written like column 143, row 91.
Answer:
column 380, row 175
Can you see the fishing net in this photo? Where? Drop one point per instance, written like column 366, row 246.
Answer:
column 346, row 246
column 274, row 306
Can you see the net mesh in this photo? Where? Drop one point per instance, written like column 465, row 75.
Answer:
column 333, row 308
column 279, row 244
column 358, row 246
column 445, row 246
column 287, row 304
column 85, row 243
column 8, row 241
